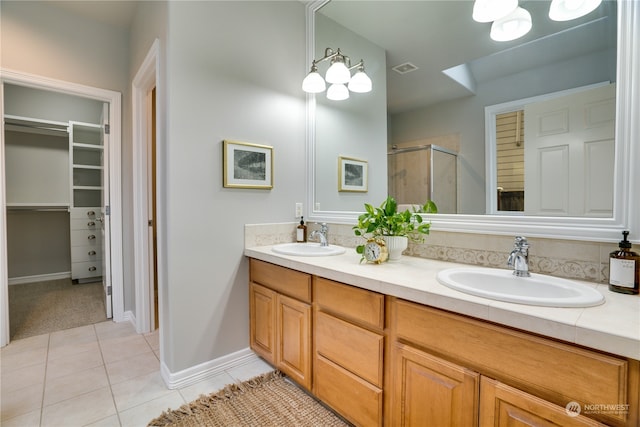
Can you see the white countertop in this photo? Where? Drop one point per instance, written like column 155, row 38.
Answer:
column 613, row 327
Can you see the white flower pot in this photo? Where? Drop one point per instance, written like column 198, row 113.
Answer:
column 396, row 245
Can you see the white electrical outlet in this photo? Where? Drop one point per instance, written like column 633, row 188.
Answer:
column 298, row 210
column 317, row 206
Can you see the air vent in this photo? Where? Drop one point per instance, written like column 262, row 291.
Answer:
column 405, row 68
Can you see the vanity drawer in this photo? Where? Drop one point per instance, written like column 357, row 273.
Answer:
column 81, row 270
column 351, row 303
column 334, row 336
column 549, row 369
column 283, row 280
column 353, row 398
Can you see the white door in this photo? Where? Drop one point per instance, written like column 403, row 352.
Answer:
column 105, row 213
column 569, row 154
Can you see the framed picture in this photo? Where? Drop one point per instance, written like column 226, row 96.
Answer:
column 247, row 165
column 352, row 174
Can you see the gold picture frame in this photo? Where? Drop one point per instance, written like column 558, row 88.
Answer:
column 353, row 174
column 247, row 165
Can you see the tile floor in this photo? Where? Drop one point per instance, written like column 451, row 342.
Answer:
column 97, row 375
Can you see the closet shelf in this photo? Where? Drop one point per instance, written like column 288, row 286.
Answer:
column 87, row 187
column 88, row 146
column 64, row 206
column 94, row 167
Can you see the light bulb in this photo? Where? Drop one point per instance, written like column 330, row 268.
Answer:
column 360, row 83
column 511, row 27
column 492, row 10
column 566, row 10
column 313, row 83
column 337, row 92
column 338, row 72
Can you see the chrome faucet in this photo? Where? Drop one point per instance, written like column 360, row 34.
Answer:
column 519, row 257
column 322, row 234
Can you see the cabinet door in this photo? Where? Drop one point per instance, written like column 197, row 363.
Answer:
column 262, row 318
column 501, row 405
column 431, row 391
column 293, row 356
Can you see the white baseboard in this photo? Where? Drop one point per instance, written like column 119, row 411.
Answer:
column 128, row 316
column 39, row 278
column 192, row 375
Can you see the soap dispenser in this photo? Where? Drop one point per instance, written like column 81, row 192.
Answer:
column 301, row 231
column 624, row 268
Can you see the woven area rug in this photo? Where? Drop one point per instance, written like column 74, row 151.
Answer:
column 267, row 400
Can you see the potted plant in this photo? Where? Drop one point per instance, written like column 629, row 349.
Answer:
column 396, row 228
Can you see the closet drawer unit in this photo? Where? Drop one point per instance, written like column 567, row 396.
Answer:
column 85, row 213
column 88, row 238
column 85, row 254
column 85, row 224
column 81, row 270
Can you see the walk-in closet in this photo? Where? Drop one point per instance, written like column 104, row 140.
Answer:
column 54, row 174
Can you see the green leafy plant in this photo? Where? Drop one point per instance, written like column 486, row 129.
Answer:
column 387, row 221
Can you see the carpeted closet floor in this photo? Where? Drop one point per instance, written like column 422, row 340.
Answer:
column 44, row 307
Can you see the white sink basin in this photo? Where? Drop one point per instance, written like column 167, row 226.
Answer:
column 307, row 249
column 502, row 285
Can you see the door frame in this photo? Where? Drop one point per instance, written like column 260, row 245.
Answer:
column 144, row 81
column 114, row 99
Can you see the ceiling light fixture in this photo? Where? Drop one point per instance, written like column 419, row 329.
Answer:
column 492, row 10
column 512, row 26
column 338, row 74
column 566, row 10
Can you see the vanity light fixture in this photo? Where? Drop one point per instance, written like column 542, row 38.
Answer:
column 338, row 75
column 566, row 10
column 492, row 10
column 511, row 27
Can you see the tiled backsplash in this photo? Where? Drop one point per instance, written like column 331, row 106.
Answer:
column 563, row 258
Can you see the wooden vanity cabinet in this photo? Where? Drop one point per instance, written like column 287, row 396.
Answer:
column 349, row 350
column 280, row 319
column 441, row 359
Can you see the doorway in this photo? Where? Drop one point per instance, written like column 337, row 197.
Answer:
column 112, row 215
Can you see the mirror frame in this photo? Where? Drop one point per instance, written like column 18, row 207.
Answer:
column 626, row 198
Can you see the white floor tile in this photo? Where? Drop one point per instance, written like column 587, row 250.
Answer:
column 72, row 385
column 139, row 390
column 81, row 410
column 250, row 370
column 31, row 419
column 111, row 421
column 122, row 348
column 153, row 339
column 206, row 386
column 132, row 367
column 21, row 401
column 26, row 344
column 141, row 415
column 14, row 360
column 109, row 330
column 73, row 363
column 23, row 377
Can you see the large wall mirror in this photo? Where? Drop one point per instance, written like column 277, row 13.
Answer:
column 463, row 81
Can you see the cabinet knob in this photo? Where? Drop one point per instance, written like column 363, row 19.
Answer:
column 91, row 224
column 91, row 252
column 92, row 268
column 91, row 213
column 91, row 236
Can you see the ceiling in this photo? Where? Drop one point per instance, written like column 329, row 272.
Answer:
column 433, row 35
column 438, row 35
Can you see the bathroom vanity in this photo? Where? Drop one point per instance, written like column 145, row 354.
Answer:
column 388, row 345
